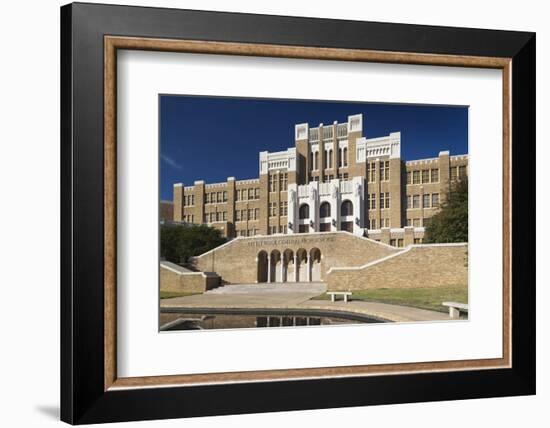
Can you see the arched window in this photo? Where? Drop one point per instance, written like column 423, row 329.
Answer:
column 330, row 158
column 304, row 211
column 325, row 160
column 346, row 209
column 316, row 163
column 324, row 210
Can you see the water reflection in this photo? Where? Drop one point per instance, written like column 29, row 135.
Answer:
column 194, row 321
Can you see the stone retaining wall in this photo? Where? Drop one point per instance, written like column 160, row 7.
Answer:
column 236, row 261
column 438, row 265
column 188, row 282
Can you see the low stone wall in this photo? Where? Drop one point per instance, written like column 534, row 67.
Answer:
column 236, row 261
column 437, row 265
column 176, row 278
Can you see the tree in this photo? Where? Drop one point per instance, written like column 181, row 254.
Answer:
column 180, row 242
column 450, row 224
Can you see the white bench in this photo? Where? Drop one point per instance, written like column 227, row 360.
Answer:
column 339, row 293
column 455, row 308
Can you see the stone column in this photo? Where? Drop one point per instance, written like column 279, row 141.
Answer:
column 295, row 268
column 282, row 278
column 269, row 268
column 308, row 268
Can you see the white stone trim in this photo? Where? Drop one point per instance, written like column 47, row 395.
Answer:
column 171, row 269
column 383, row 259
column 223, row 245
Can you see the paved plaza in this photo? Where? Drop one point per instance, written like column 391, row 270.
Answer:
column 295, row 296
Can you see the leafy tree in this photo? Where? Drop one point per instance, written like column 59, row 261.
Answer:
column 451, row 223
column 180, row 242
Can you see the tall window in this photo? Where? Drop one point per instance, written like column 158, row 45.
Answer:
column 435, row 175
column 384, row 170
column 224, row 196
column 316, row 160
column 371, row 172
column 283, row 208
column 238, row 215
column 238, row 195
column 330, row 158
column 256, row 213
column 283, row 181
column 462, row 172
column 304, row 211
column 347, row 208
column 454, row 173
column 325, row 160
column 372, row 201
column 416, row 201
column 272, row 209
column 324, row 210
column 272, row 183
column 409, row 177
column 250, row 213
column 416, row 177
column 409, row 201
column 250, row 194
column 426, row 200
column 425, row 176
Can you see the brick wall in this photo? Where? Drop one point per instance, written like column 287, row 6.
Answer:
column 188, row 282
column 416, row 266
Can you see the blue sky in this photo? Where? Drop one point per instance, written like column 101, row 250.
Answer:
column 212, row 138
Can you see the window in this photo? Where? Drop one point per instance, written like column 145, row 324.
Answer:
column 330, row 158
column 283, row 208
column 325, row 160
column 284, row 182
column 243, row 215
column 426, row 200
column 409, row 201
column 250, row 194
column 409, row 222
column 272, row 209
column 304, row 211
column 256, row 213
column 393, row 243
column 218, row 216
column 238, row 215
column 384, row 200
column 219, row 197
column 386, row 222
column 435, row 200
column 416, row 222
column 372, row 201
column 254, row 232
column 324, row 210
column 224, row 215
column 371, row 172
column 409, row 177
column 454, row 173
column 416, row 201
column 257, row 192
column 250, row 214
column 242, row 232
column 207, row 198
column 347, row 208
column 418, row 240
column 225, row 196
column 316, row 160
column 435, row 175
column 373, row 224
column 425, row 176
column 400, row 242
column 416, row 177
column 272, row 183
column 384, row 170
column 426, row 221
column 238, row 195
column 462, row 172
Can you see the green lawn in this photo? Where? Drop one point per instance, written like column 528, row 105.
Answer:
column 170, row 294
column 423, row 298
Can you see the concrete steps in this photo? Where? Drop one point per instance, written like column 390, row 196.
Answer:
column 273, row 287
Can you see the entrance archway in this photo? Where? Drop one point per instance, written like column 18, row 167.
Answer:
column 262, row 266
column 301, row 265
column 315, row 264
column 276, row 267
column 288, row 266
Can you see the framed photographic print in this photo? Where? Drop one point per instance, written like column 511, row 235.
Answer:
column 271, row 213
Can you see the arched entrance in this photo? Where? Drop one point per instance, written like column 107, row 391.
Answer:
column 301, row 265
column 261, row 260
column 288, row 266
column 276, row 267
column 315, row 264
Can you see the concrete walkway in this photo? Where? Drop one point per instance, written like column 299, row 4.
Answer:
column 295, row 296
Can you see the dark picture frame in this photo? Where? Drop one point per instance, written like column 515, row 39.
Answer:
column 90, row 36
